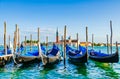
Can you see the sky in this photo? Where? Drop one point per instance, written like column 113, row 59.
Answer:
column 49, row 15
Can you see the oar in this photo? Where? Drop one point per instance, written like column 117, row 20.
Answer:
column 14, row 48
column 15, row 44
column 64, row 47
column 39, row 48
column 18, row 41
column 40, row 53
column 111, row 36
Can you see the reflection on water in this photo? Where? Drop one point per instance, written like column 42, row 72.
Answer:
column 109, row 71
column 44, row 71
column 22, row 71
column 82, row 70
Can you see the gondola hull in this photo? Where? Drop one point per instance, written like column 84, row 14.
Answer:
column 27, row 59
column 113, row 58
column 51, row 57
column 5, row 59
column 77, row 56
column 80, row 59
column 51, row 60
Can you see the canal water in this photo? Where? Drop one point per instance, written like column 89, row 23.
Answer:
column 90, row 70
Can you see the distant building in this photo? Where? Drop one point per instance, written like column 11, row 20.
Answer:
column 69, row 41
column 84, row 43
column 117, row 44
column 72, row 42
column 102, row 44
column 57, row 36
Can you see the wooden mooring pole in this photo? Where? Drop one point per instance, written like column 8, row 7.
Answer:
column 46, row 43
column 77, row 40
column 16, row 37
column 64, row 47
column 15, row 44
column 9, row 41
column 30, row 42
column 25, row 43
column 92, row 41
column 107, row 44
column 87, row 40
column 39, row 41
column 5, row 46
column 111, row 36
column 18, row 41
column 117, row 50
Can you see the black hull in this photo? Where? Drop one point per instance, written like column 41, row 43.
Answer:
column 81, row 59
column 113, row 58
column 27, row 59
column 27, row 62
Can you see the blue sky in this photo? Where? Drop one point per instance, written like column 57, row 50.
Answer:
column 50, row 14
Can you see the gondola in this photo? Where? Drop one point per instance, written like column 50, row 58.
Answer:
column 52, row 56
column 29, row 57
column 105, row 58
column 5, row 58
column 76, row 56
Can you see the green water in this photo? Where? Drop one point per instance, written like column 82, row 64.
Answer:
column 90, row 70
